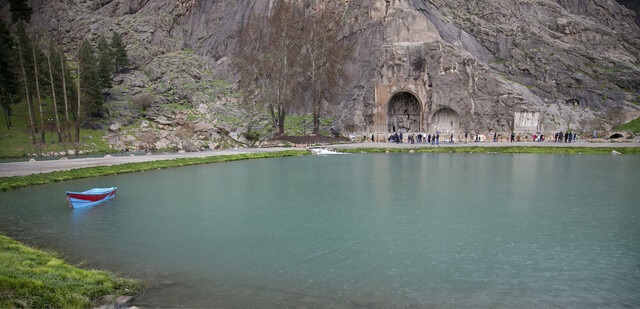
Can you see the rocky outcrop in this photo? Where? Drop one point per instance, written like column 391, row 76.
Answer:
column 576, row 62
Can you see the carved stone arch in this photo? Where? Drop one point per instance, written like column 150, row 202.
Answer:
column 446, row 120
column 404, row 112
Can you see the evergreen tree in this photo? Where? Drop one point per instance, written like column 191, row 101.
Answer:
column 9, row 86
column 120, row 58
column 36, row 53
column 20, row 10
column 90, row 85
column 105, row 62
column 64, row 75
column 24, row 49
column 52, row 57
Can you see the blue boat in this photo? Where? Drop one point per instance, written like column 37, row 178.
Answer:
column 90, row 197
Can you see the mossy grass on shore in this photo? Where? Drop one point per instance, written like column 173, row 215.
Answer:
column 500, row 149
column 32, row 278
column 8, row 183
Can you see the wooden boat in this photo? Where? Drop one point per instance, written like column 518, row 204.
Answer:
column 90, row 197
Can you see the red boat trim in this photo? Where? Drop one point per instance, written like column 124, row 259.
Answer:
column 90, row 197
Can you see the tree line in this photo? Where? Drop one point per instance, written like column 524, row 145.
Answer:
column 293, row 56
column 36, row 72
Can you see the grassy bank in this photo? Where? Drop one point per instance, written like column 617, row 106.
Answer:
column 505, row 149
column 31, row 278
column 8, row 183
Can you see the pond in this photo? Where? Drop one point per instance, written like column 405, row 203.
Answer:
column 362, row 230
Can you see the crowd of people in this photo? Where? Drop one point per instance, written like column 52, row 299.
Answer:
column 434, row 138
column 420, row 138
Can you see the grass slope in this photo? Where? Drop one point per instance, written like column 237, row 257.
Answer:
column 16, row 142
column 31, row 278
column 633, row 126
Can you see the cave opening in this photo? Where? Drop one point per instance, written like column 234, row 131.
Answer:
column 404, row 113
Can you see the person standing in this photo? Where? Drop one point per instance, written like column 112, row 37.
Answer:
column 513, row 136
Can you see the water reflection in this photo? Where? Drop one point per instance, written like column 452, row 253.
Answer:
column 384, row 230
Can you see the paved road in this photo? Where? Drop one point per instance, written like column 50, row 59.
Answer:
column 49, row 165
column 46, row 166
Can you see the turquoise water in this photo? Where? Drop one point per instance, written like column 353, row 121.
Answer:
column 353, row 231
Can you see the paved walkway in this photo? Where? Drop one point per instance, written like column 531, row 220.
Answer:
column 635, row 143
column 51, row 165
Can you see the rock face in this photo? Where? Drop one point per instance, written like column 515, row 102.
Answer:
column 419, row 65
column 475, row 66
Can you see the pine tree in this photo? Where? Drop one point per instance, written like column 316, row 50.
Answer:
column 105, row 62
column 9, row 86
column 51, row 67
column 20, row 10
column 67, row 85
column 24, row 47
column 90, row 84
column 35, row 52
column 120, row 58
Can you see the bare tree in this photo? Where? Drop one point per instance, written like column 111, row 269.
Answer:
column 325, row 55
column 269, row 62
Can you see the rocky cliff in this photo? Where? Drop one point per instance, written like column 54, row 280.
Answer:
column 575, row 62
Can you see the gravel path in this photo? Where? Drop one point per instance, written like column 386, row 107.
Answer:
column 50, row 165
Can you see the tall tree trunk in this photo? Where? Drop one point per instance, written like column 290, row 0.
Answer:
column 316, row 119
column 35, row 70
column 78, row 113
column 53, row 95
column 27, row 96
column 7, row 117
column 64, row 95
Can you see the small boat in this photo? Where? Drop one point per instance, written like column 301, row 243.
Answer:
column 90, row 197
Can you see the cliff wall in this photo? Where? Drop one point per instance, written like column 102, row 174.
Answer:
column 577, row 62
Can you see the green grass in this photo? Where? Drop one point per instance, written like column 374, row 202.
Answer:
column 633, row 126
column 16, row 142
column 303, row 125
column 32, row 278
column 8, row 183
column 507, row 149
